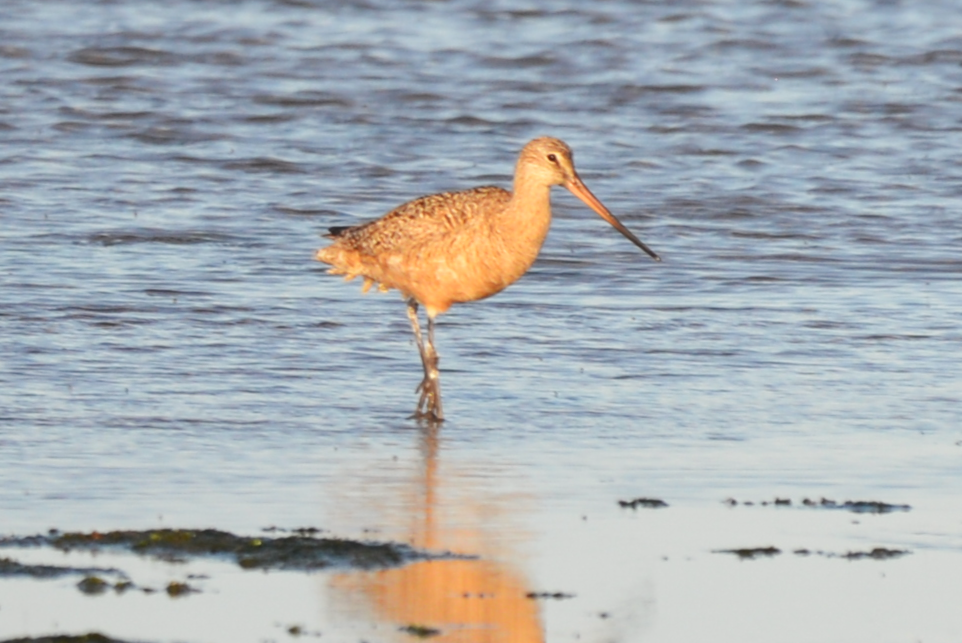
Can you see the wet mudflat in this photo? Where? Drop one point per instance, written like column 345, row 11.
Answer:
column 765, row 424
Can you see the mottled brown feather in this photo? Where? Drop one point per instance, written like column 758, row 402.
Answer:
column 424, row 220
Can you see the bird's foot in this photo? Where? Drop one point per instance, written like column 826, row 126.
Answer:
column 429, row 405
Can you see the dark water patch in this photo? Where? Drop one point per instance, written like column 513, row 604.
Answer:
column 470, row 120
column 187, row 158
column 265, row 165
column 14, row 52
column 771, row 128
column 122, row 56
column 751, row 44
column 786, row 4
column 304, row 99
column 701, row 352
column 87, row 311
column 90, row 115
column 298, row 552
column 219, row 58
column 774, row 236
column 71, row 126
column 817, row 256
column 697, row 150
column 269, row 118
column 804, row 73
column 111, row 81
column 933, row 269
column 680, row 17
column 670, row 89
column 935, row 57
column 868, row 60
column 668, row 130
column 174, row 135
column 124, row 323
column 630, row 94
column 824, row 324
column 175, row 424
column 499, row 15
column 417, row 97
column 764, row 279
column 717, row 437
column 871, row 339
column 148, row 235
column 846, row 41
column 518, row 62
column 809, row 117
column 306, row 212
column 202, row 314
column 174, row 294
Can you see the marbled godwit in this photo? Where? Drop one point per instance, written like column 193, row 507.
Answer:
column 456, row 247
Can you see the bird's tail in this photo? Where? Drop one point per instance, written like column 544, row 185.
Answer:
column 337, row 231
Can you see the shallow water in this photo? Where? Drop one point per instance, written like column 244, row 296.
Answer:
column 172, row 356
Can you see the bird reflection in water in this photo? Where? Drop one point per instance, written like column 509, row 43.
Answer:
column 476, row 600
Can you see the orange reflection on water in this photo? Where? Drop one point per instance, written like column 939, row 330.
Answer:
column 480, row 600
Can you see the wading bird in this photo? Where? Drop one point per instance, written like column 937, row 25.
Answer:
column 456, row 247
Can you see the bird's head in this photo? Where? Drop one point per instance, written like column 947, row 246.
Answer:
column 549, row 161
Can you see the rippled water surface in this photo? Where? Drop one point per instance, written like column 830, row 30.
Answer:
column 172, row 356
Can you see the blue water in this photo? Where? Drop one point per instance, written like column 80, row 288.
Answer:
column 171, row 355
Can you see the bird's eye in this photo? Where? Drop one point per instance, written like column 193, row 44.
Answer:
column 553, row 158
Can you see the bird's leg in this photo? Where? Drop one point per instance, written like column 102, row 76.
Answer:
column 432, row 373
column 429, row 405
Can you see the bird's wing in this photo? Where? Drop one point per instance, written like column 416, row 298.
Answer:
column 422, row 220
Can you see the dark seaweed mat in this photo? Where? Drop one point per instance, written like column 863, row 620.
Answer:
column 751, row 552
column 855, row 506
column 63, row 638
column 289, row 552
column 10, row 567
column 650, row 503
column 878, row 553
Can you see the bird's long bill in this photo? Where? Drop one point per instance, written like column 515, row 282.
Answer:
column 581, row 191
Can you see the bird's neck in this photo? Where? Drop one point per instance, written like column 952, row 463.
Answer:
column 531, row 200
column 524, row 223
